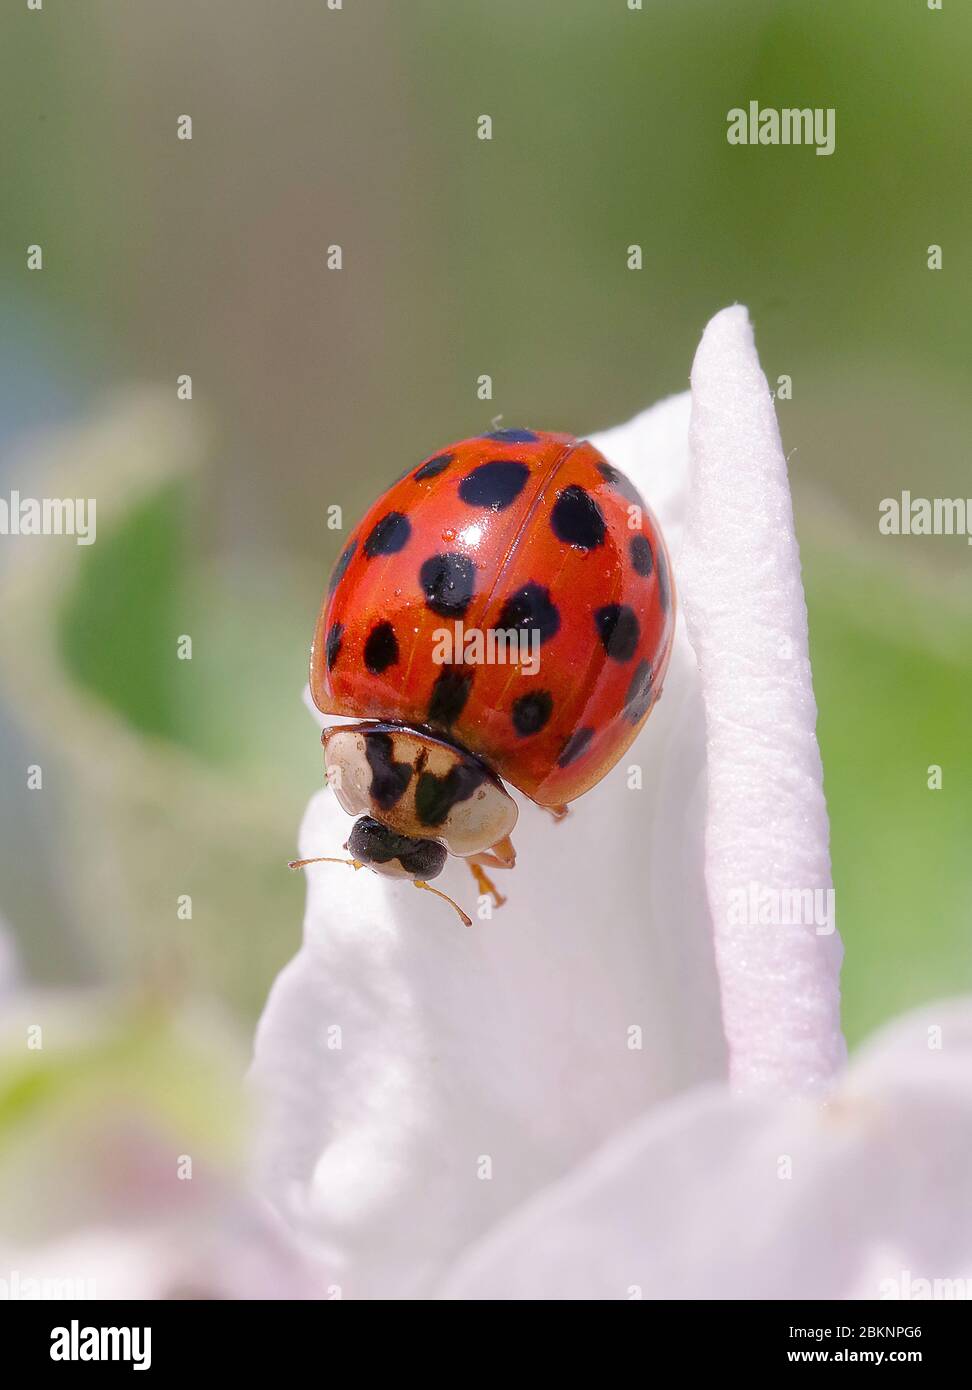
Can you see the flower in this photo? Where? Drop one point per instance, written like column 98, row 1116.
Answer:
column 422, row 1084
column 717, row 1196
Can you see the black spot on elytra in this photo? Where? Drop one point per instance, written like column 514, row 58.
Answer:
column 619, row 630
column 575, row 746
column 513, row 436
column 641, row 558
column 433, row 467
column 638, row 698
column 389, row 779
column 381, row 648
column 531, row 712
column 449, row 695
column 332, row 644
column 530, row 608
column 495, row 484
column 436, row 796
column 448, row 582
column 577, row 519
column 664, row 585
column 373, row 843
column 621, row 483
column 388, row 536
column 340, row 569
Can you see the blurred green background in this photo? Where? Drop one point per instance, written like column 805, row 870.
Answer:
column 310, row 387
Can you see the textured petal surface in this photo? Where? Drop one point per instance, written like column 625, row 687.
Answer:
column 421, row 1080
column 716, row 1196
column 767, row 834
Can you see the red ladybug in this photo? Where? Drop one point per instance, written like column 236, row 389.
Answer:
column 504, row 611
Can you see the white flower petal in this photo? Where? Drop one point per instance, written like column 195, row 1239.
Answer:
column 653, row 450
column 766, row 829
column 715, row 1196
column 509, row 1047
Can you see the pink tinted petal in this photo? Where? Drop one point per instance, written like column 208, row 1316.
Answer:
column 766, row 830
column 713, row 1196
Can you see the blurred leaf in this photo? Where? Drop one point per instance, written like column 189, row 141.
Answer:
column 235, row 702
column 892, row 670
column 177, row 782
column 120, row 621
column 140, row 1058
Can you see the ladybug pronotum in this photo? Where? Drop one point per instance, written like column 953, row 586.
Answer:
column 503, row 613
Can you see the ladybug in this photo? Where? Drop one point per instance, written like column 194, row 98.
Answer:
column 504, row 613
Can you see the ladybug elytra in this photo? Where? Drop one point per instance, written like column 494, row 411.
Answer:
column 503, row 613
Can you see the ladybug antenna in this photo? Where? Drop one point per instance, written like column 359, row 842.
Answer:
column 356, row 864
column 323, row 859
column 419, row 883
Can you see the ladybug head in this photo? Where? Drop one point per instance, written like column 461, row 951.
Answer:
column 419, row 798
column 388, row 852
column 434, row 794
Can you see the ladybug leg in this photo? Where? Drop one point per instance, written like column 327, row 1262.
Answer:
column 558, row 812
column 501, row 856
column 489, row 858
column 484, row 883
column 495, row 861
